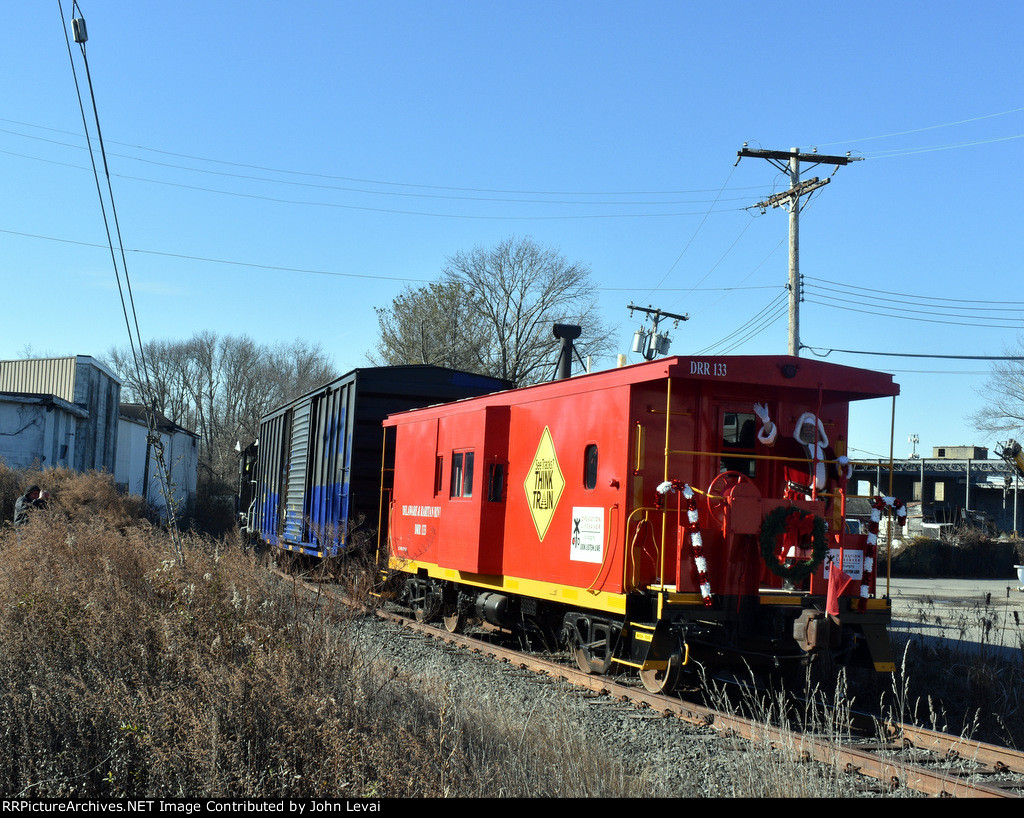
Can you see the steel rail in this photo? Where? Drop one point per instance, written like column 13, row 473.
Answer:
column 868, row 758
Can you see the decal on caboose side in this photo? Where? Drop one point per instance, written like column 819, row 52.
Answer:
column 543, row 484
column 421, row 511
column 853, row 562
column 587, row 543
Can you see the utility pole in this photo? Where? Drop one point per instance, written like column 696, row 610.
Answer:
column 789, row 162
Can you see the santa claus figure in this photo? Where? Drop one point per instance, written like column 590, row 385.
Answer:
column 811, row 466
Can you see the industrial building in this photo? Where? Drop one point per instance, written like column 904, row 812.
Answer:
column 138, row 460
column 67, row 412
column 59, row 412
column 958, row 486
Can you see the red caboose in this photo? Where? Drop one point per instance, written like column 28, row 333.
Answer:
column 652, row 514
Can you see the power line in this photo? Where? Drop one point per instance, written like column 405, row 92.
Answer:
column 987, row 323
column 721, row 258
column 830, row 350
column 953, row 312
column 135, row 337
column 754, row 332
column 496, row 191
column 403, row 194
column 693, row 236
column 891, row 154
column 758, row 322
column 925, row 128
column 336, row 273
column 875, row 291
column 220, row 260
column 392, row 211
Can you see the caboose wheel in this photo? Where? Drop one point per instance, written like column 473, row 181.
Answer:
column 586, row 661
column 428, row 609
column 454, row 622
column 593, row 642
column 663, row 680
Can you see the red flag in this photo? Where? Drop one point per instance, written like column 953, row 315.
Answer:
column 837, row 582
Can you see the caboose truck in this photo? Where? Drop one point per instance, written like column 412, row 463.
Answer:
column 641, row 514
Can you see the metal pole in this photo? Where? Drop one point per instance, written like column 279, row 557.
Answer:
column 967, row 490
column 794, row 256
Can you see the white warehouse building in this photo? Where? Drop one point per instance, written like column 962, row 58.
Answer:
column 138, row 465
column 67, row 412
column 59, row 412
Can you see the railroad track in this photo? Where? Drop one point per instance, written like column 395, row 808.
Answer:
column 899, row 755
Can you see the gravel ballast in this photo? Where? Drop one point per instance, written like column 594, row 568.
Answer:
column 660, row 755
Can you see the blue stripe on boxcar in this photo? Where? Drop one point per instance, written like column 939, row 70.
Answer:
column 328, row 501
column 268, row 525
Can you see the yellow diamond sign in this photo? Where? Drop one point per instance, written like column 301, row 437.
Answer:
column 544, row 484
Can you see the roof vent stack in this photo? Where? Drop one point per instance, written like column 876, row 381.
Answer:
column 567, row 333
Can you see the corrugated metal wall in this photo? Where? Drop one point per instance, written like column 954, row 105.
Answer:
column 330, row 443
column 42, row 376
column 269, row 476
column 84, row 382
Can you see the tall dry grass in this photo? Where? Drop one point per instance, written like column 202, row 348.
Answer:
column 127, row 673
column 965, row 675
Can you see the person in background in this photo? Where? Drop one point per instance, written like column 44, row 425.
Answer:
column 33, row 498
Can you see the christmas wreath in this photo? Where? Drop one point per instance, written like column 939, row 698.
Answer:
column 793, row 525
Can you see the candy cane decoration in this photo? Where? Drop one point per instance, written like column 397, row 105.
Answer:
column 691, row 526
column 877, row 506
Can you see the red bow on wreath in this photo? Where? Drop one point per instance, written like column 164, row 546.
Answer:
column 798, row 526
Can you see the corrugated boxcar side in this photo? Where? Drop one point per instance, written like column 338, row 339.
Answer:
column 319, row 465
column 269, row 476
column 330, row 448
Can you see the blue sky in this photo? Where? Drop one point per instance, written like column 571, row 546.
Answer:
column 281, row 169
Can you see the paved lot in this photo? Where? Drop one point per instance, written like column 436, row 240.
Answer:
column 975, row 614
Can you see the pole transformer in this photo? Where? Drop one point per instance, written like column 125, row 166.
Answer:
column 652, row 343
column 789, row 162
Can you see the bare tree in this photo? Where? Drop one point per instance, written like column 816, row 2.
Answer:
column 220, row 387
column 493, row 311
column 437, row 324
column 1003, row 393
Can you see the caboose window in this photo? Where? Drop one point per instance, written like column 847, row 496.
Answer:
column 738, row 435
column 590, row 466
column 462, row 474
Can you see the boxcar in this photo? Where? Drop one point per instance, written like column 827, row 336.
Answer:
column 315, row 478
column 642, row 513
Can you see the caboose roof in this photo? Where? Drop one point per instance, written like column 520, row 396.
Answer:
column 837, row 382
